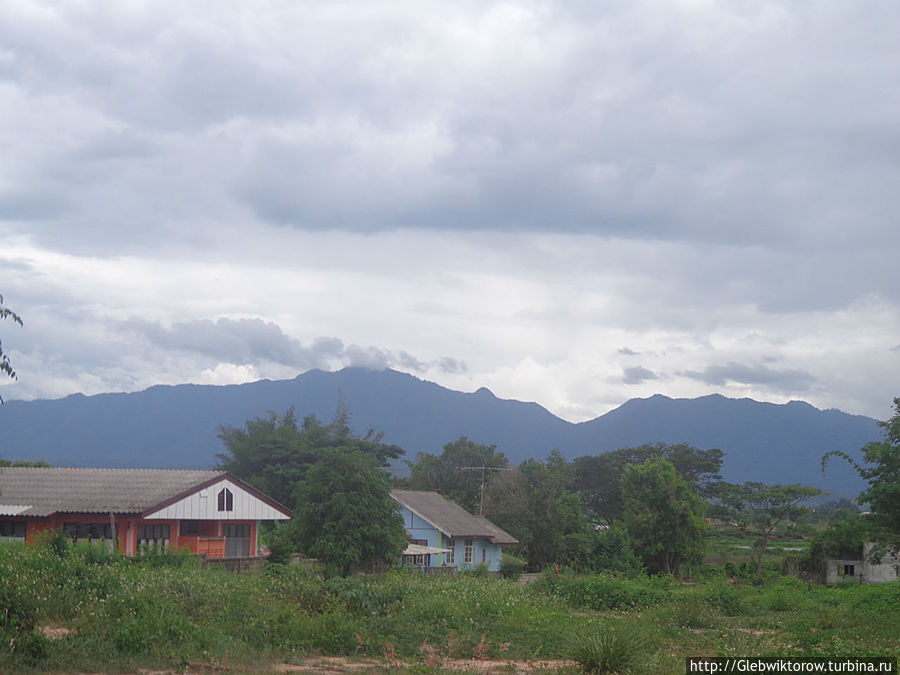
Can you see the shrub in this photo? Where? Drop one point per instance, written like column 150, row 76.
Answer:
column 17, row 610
column 725, row 599
column 281, row 544
column 613, row 650
column 511, row 567
column 605, row 592
column 692, row 613
column 58, row 543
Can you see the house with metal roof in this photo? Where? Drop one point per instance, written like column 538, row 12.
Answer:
column 206, row 512
column 443, row 534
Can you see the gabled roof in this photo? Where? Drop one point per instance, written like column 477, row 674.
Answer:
column 40, row 492
column 450, row 518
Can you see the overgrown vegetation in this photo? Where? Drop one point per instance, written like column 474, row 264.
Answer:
column 82, row 608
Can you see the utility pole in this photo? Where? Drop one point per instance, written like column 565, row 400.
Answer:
column 482, row 469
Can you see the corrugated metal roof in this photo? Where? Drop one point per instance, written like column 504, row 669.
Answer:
column 55, row 490
column 451, row 519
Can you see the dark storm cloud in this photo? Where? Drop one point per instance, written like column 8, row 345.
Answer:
column 638, row 375
column 254, row 341
column 786, row 380
column 386, row 118
column 240, row 341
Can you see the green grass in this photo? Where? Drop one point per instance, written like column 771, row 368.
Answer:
column 122, row 615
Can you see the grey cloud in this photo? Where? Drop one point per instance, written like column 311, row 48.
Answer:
column 654, row 139
column 629, row 352
column 637, row 375
column 240, row 341
column 451, row 366
column 31, row 205
column 407, row 361
column 254, row 341
column 789, row 379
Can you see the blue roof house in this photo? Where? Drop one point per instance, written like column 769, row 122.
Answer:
column 443, row 534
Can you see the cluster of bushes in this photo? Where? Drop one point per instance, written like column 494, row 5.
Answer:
column 165, row 611
column 602, row 591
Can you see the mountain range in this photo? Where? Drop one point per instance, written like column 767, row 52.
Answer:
column 178, row 426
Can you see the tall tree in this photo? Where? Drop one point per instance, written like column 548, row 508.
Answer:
column 881, row 470
column 760, row 509
column 534, row 504
column 5, row 365
column 273, row 453
column 663, row 516
column 597, row 478
column 457, row 472
column 345, row 515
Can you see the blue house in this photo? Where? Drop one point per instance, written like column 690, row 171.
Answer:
column 443, row 534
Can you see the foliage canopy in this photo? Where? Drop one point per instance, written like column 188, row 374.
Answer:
column 449, row 473
column 5, row 365
column 598, row 478
column 274, row 453
column 663, row 516
column 881, row 470
column 345, row 515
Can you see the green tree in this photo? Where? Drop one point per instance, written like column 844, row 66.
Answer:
column 533, row 503
column 610, row 550
column 451, row 474
column 597, row 478
column 842, row 538
column 663, row 516
column 345, row 515
column 881, row 470
column 760, row 508
column 274, row 453
column 5, row 365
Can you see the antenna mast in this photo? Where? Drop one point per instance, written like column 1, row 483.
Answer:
column 482, row 469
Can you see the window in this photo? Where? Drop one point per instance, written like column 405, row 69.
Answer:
column 190, row 527
column 12, row 530
column 226, row 500
column 88, row 531
column 237, row 540
column 450, row 558
column 848, row 570
column 469, row 553
column 483, row 556
column 153, row 536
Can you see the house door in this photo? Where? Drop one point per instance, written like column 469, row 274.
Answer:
column 237, row 540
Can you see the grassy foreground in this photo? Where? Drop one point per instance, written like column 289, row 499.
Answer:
column 85, row 610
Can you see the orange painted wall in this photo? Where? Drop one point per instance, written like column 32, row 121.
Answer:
column 210, row 542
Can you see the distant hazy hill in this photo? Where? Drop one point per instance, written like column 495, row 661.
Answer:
column 177, row 426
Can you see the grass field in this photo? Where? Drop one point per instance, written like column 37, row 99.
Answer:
column 87, row 611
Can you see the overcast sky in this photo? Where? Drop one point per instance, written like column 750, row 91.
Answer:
column 574, row 203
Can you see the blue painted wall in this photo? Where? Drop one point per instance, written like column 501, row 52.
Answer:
column 484, row 551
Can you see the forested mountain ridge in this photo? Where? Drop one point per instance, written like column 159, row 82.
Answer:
column 178, row 426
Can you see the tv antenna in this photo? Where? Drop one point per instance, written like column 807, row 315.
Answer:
column 482, row 469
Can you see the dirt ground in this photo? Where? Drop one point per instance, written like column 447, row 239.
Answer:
column 330, row 665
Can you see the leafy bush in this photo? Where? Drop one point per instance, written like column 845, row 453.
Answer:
column 164, row 557
column 725, row 599
column 605, row 592
column 511, row 567
column 281, row 544
column 692, row 612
